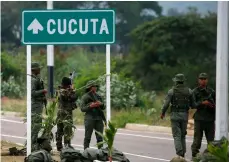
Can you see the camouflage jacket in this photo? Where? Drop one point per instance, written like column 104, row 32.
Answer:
column 67, row 99
column 178, row 115
column 204, row 112
column 92, row 113
column 37, row 85
column 38, row 98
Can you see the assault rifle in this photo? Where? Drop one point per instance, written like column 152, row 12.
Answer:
column 101, row 114
column 210, row 99
column 71, row 76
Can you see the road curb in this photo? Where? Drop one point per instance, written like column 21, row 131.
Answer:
column 11, row 114
column 160, row 129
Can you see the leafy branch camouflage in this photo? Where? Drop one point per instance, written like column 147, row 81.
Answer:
column 66, row 104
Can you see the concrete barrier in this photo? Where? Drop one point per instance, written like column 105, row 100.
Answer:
column 160, row 129
column 139, row 127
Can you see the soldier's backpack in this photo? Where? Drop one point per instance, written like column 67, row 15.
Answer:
column 69, row 154
column 116, row 155
column 39, row 156
column 91, row 154
column 180, row 99
column 178, row 159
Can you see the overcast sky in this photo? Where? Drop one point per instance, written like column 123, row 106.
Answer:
column 203, row 6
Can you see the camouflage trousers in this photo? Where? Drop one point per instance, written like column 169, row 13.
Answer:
column 91, row 125
column 179, row 131
column 36, row 124
column 64, row 128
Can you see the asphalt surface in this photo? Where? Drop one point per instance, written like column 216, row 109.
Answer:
column 138, row 146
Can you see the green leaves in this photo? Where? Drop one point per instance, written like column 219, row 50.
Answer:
column 11, row 88
column 50, row 120
column 164, row 46
column 123, row 92
column 69, row 126
column 108, row 137
column 217, row 151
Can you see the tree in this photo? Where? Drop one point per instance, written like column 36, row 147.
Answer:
column 169, row 45
column 128, row 15
column 173, row 12
column 11, row 19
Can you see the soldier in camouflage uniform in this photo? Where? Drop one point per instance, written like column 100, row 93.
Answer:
column 204, row 118
column 92, row 105
column 181, row 100
column 66, row 104
column 38, row 101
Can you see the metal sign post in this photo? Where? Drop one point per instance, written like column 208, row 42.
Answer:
column 222, row 71
column 50, row 60
column 28, row 53
column 108, row 92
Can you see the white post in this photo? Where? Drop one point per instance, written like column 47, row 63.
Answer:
column 50, row 59
column 222, row 71
column 108, row 100
column 28, row 51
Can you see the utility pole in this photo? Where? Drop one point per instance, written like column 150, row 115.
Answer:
column 50, row 60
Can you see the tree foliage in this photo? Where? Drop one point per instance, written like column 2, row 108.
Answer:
column 125, row 11
column 169, row 45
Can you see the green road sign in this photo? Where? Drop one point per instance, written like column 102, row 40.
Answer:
column 68, row 27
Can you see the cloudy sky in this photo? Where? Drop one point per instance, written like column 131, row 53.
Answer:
column 203, row 6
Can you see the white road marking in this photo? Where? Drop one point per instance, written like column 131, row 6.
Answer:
column 125, row 134
column 149, row 132
column 13, row 121
column 160, row 138
column 141, row 156
column 6, row 135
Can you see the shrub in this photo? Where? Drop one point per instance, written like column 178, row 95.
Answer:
column 10, row 67
column 217, row 151
column 123, row 92
column 11, row 89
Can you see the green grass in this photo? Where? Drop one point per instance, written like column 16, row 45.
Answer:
column 13, row 105
column 119, row 118
column 7, row 158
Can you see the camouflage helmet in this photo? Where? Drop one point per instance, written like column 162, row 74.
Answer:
column 90, row 84
column 203, row 76
column 35, row 65
column 66, row 81
column 179, row 78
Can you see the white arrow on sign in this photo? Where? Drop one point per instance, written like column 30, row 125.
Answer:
column 35, row 26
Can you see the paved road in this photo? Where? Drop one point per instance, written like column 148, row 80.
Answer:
column 138, row 146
